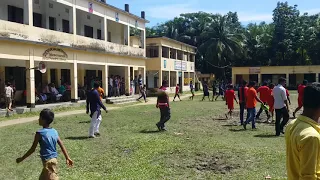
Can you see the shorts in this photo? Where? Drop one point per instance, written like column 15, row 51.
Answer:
column 49, row 171
column 8, row 100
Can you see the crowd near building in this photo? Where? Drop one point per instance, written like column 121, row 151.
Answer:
column 294, row 74
column 80, row 42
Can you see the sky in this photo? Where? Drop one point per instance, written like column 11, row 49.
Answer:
column 158, row 11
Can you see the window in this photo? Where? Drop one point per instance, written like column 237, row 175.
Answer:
column 109, row 36
column 65, row 76
column 99, row 34
column 37, row 20
column 53, row 76
column 52, row 23
column 17, row 76
column 88, row 31
column 15, row 14
column 152, row 51
column 65, row 26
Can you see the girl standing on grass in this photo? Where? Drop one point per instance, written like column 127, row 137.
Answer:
column 230, row 97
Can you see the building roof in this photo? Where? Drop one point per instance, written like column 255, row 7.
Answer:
column 172, row 40
column 122, row 11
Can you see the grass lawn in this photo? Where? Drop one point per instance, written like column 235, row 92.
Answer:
column 198, row 145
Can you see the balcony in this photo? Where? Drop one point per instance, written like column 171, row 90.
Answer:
column 25, row 32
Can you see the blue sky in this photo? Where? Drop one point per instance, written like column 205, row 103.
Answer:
column 158, row 11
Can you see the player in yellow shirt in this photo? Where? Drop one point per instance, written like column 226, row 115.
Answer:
column 303, row 139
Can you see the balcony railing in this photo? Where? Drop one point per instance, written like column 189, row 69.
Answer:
column 26, row 32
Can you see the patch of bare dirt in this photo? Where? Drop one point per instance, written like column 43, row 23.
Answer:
column 217, row 164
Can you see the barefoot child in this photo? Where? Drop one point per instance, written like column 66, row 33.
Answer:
column 48, row 139
column 230, row 98
column 177, row 92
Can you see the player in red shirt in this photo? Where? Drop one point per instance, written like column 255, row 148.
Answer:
column 264, row 94
column 300, row 96
column 270, row 101
column 230, row 96
column 177, row 92
column 164, row 106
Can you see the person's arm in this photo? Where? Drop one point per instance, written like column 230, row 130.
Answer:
column 157, row 105
column 284, row 97
column 168, row 101
column 65, row 153
column 258, row 99
column 88, row 102
column 309, row 159
column 288, row 97
column 31, row 150
column 97, row 96
column 235, row 98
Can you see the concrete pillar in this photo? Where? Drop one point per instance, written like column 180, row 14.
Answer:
column 233, row 79
column 126, row 35
column 58, row 77
column 288, row 79
column 105, row 80
column 74, row 81
column 81, row 77
column 143, row 40
column 46, row 14
column 182, row 83
column 177, row 78
column 30, row 81
column 160, row 51
column 73, row 19
column 259, row 79
column 104, row 31
column 144, row 76
column 127, row 79
column 160, row 78
column 169, row 79
column 28, row 12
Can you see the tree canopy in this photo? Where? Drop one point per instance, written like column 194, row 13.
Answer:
column 291, row 39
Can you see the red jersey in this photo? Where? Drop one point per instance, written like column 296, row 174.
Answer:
column 287, row 92
column 270, row 101
column 230, row 96
column 242, row 94
column 177, row 89
column 301, row 90
column 263, row 90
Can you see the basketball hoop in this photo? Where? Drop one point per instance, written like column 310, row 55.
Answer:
column 41, row 67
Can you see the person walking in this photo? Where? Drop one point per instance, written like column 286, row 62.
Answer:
column 230, row 97
column 251, row 102
column 214, row 89
column 143, row 92
column 263, row 92
column 177, row 92
column 300, row 96
column 9, row 96
column 205, row 91
column 281, row 106
column 302, row 139
column 242, row 94
column 164, row 106
column 191, row 90
column 270, row 102
column 94, row 104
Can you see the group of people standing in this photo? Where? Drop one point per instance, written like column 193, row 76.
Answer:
column 272, row 98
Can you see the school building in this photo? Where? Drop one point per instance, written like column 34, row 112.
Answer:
column 76, row 39
column 294, row 74
column 170, row 60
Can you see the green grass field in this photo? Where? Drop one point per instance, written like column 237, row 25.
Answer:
column 200, row 144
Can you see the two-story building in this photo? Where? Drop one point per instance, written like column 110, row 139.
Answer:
column 170, row 60
column 77, row 40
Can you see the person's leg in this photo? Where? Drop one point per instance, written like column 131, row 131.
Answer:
column 241, row 112
column 259, row 113
column 145, row 97
column 174, row 97
column 167, row 117
column 285, row 119
column 162, row 117
column 250, row 115
column 97, row 126
column 278, row 118
column 253, row 114
column 179, row 97
column 93, row 124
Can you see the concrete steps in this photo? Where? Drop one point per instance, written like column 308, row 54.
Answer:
column 122, row 100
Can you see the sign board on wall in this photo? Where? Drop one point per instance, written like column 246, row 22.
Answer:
column 117, row 17
column 55, row 54
column 179, row 65
column 164, row 63
column 254, row 70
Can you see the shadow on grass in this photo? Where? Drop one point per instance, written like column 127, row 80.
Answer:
column 265, row 136
column 78, row 138
column 149, row 131
column 84, row 122
column 229, row 125
column 219, row 119
column 237, row 130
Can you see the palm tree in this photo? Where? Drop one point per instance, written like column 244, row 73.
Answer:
column 221, row 43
